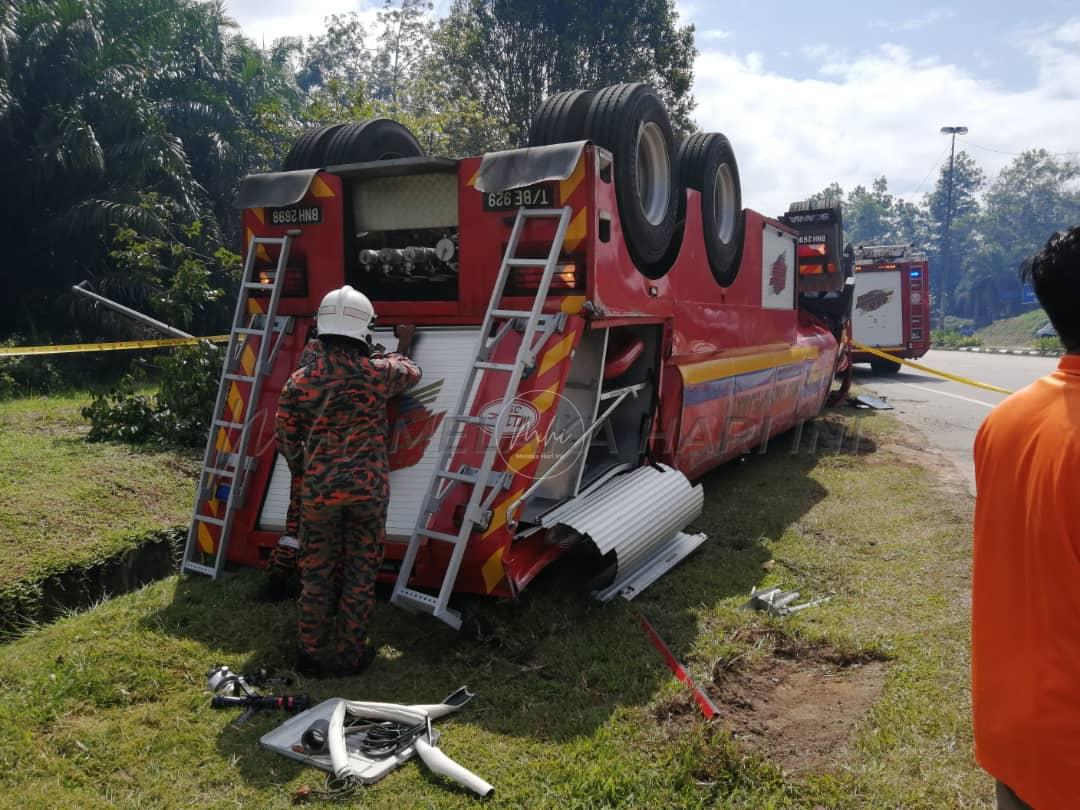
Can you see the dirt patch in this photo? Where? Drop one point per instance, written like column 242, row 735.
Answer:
column 797, row 706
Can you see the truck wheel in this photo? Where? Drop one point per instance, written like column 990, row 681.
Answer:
column 560, row 118
column 377, row 139
column 307, row 152
column 630, row 121
column 707, row 164
column 882, row 366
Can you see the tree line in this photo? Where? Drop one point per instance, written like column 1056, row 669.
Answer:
column 996, row 226
column 126, row 126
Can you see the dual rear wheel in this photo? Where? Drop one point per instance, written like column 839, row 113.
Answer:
column 651, row 174
column 336, row 144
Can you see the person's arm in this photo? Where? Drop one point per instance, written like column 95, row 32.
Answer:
column 404, row 332
column 313, row 350
column 401, row 374
column 291, row 427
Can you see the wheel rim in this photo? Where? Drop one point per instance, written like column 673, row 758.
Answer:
column 724, row 204
column 653, row 173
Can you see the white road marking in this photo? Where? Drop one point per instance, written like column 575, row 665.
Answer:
column 954, row 396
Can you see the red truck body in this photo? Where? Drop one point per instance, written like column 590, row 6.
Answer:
column 723, row 368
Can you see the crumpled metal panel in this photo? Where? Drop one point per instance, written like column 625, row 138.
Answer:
column 515, row 168
column 635, row 515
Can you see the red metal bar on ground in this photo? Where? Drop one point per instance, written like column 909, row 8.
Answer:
column 708, row 708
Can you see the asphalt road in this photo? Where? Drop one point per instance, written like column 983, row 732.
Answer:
column 948, row 412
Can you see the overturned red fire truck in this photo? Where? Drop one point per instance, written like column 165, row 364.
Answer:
column 597, row 319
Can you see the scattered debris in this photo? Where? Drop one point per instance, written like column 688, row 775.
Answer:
column 777, row 602
column 708, row 708
column 768, row 565
column 360, row 742
column 233, row 691
column 869, row 401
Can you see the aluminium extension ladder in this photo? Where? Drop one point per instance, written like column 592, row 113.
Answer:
column 225, row 462
column 537, row 328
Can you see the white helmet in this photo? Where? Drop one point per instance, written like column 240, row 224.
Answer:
column 346, row 312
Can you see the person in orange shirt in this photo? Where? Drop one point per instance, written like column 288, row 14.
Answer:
column 1026, row 586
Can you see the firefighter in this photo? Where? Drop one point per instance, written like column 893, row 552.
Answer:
column 332, row 429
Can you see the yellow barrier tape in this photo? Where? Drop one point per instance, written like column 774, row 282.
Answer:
column 119, row 346
column 928, row 370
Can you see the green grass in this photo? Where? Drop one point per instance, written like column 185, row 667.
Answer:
column 1011, row 333
column 64, row 501
column 107, row 708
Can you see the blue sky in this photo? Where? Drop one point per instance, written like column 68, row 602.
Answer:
column 810, row 93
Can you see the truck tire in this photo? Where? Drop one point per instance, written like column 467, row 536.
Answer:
column 377, row 139
column 631, row 122
column 308, row 151
column 561, row 118
column 882, row 366
column 707, row 164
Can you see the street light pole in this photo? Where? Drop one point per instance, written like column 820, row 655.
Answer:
column 953, row 131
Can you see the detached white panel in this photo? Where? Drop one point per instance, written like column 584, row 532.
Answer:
column 640, row 516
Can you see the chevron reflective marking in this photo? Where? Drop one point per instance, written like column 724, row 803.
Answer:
column 556, row 354
column 492, row 569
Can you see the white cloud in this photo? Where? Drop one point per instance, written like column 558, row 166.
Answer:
column 712, row 35
column 267, row 20
column 933, row 16
column 877, row 114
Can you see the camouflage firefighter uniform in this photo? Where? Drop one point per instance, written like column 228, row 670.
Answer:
column 282, row 562
column 332, row 428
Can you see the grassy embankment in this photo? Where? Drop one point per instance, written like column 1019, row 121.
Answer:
column 65, row 503
column 1013, row 333
column 574, row 708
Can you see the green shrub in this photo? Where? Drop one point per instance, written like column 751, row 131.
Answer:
column 179, row 413
column 28, row 374
column 1048, row 345
column 952, row 339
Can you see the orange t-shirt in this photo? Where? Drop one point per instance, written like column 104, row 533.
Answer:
column 1025, row 662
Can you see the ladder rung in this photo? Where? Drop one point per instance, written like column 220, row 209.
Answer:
column 244, row 330
column 510, row 313
column 240, row 377
column 211, row 520
column 494, row 366
column 219, row 471
column 421, row 598
column 273, row 240
column 434, row 535
column 223, row 423
column 199, row 568
column 468, row 420
column 255, row 285
column 541, row 213
column 468, row 478
column 519, row 262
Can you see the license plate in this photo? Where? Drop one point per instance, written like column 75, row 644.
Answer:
column 538, row 196
column 295, row 215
